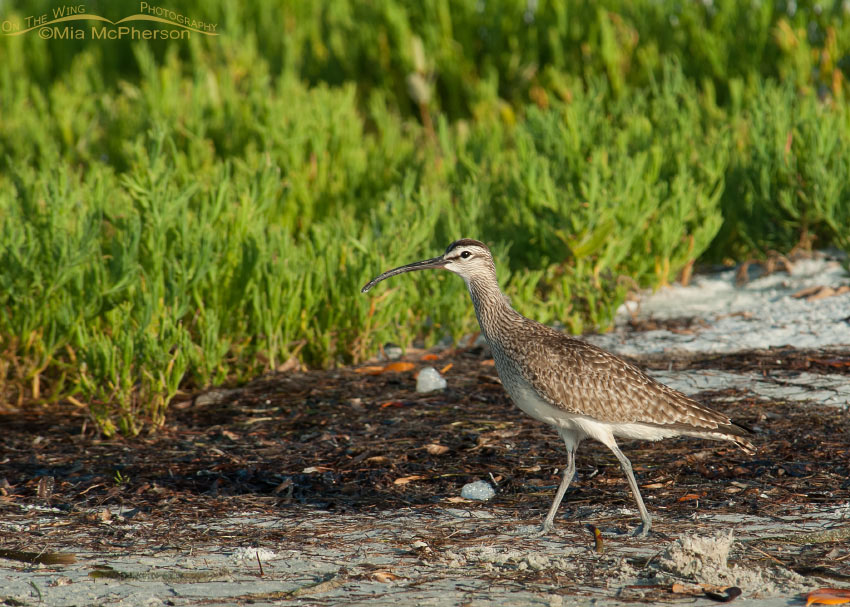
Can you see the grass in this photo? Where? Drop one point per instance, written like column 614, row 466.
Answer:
column 178, row 215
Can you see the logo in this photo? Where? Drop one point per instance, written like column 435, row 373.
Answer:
column 65, row 22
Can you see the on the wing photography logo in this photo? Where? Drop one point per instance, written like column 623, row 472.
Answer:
column 68, row 22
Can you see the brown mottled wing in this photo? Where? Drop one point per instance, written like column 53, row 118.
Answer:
column 580, row 378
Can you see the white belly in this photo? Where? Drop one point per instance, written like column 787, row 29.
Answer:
column 577, row 426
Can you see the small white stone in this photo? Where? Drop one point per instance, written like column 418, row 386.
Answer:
column 429, row 379
column 392, row 351
column 479, row 490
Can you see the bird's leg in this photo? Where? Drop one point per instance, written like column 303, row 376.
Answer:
column 643, row 530
column 569, row 473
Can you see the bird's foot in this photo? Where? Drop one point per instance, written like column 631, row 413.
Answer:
column 641, row 530
column 545, row 529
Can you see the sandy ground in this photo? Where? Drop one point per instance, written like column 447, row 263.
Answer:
column 460, row 552
column 442, row 556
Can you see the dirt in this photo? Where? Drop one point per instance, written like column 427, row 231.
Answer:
column 327, row 487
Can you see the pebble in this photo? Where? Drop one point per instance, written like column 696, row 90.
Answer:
column 429, row 379
column 479, row 490
column 392, row 351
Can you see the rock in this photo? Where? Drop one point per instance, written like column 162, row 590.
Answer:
column 479, row 490
column 429, row 380
column 392, row 351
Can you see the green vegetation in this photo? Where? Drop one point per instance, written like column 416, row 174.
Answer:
column 185, row 213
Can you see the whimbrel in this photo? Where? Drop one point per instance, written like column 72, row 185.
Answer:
column 580, row 389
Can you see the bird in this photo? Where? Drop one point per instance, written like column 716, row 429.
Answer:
column 581, row 390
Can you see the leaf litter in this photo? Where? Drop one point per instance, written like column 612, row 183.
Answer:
column 288, row 464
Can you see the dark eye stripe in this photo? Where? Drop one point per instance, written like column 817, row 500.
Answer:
column 456, row 257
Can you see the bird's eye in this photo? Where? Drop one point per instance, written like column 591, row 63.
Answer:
column 465, row 255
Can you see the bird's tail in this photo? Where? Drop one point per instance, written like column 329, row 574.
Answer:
column 739, row 436
column 745, row 445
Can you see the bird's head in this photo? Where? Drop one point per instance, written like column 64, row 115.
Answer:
column 468, row 258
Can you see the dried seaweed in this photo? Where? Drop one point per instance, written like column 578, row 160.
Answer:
column 340, row 441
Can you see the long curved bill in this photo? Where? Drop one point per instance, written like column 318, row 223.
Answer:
column 437, row 262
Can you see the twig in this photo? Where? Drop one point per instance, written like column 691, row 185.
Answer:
column 770, row 556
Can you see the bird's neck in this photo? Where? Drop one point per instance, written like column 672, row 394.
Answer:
column 492, row 307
